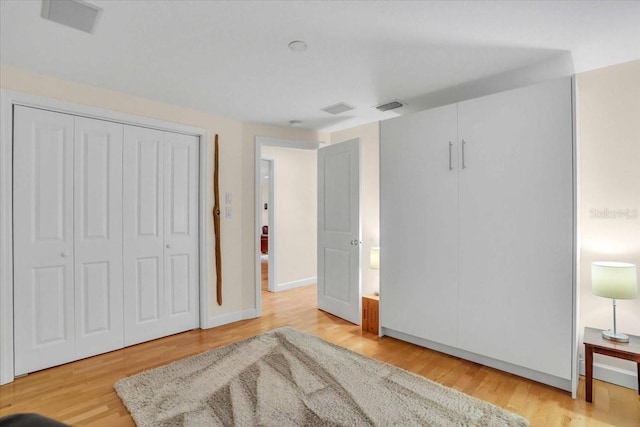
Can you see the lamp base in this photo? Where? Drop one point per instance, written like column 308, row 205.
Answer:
column 617, row 337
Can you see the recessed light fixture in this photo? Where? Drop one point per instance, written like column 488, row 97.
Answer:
column 298, row 46
column 295, row 123
column 76, row 14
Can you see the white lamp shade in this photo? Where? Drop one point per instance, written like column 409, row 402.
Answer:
column 374, row 258
column 614, row 280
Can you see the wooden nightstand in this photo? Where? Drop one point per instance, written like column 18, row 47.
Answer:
column 594, row 343
column 370, row 313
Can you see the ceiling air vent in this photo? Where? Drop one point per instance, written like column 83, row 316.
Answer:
column 76, row 14
column 337, row 108
column 390, row 105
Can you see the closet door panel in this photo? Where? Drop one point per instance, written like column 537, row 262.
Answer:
column 419, row 225
column 43, row 239
column 143, row 234
column 98, row 236
column 181, row 231
column 516, row 227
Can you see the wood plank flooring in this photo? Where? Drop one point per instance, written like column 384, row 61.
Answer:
column 81, row 393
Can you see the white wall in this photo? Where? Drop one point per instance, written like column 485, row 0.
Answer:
column 609, row 158
column 369, row 135
column 237, row 142
column 295, row 205
column 230, row 134
column 250, row 131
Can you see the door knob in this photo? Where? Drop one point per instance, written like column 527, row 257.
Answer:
column 168, row 245
column 64, row 254
column 355, row 242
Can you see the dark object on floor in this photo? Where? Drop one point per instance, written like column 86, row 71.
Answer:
column 29, row 420
column 264, row 239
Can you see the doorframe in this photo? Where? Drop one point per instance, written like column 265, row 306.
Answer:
column 261, row 141
column 7, row 100
column 271, row 223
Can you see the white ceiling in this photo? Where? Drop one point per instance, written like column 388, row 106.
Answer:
column 232, row 59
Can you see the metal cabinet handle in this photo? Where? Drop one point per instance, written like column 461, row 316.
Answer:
column 464, row 166
column 450, row 164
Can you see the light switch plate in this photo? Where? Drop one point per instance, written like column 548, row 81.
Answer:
column 227, row 212
column 227, row 198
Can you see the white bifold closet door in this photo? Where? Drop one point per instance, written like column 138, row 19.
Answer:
column 105, row 236
column 67, row 238
column 160, row 233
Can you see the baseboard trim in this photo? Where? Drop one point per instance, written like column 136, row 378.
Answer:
column 541, row 377
column 224, row 319
column 613, row 375
column 296, row 284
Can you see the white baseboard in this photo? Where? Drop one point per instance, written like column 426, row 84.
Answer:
column 613, row 375
column 224, row 319
column 296, row 284
column 541, row 377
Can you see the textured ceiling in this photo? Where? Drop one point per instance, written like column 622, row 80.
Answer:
column 232, row 59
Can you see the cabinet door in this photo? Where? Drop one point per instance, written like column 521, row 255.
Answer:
column 143, row 234
column 419, row 225
column 43, row 239
column 98, row 236
column 181, row 232
column 516, row 227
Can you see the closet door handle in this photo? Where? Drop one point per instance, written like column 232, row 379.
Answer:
column 64, row 254
column 464, row 166
column 450, row 164
column 168, row 246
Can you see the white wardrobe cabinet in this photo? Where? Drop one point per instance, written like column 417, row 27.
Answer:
column 105, row 247
column 478, row 254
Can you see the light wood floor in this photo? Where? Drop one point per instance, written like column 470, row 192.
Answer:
column 81, row 393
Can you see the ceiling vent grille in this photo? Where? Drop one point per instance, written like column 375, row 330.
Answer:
column 337, row 108
column 390, row 105
column 76, row 14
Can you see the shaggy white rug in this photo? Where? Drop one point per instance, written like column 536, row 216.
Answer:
column 288, row 378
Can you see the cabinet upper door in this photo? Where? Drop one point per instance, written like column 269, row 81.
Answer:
column 43, row 239
column 160, row 233
column 181, row 231
column 98, row 236
column 516, row 227
column 419, row 224
column 143, row 234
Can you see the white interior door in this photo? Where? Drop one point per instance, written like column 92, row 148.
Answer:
column 43, row 239
column 339, row 243
column 143, row 234
column 98, row 236
column 181, row 232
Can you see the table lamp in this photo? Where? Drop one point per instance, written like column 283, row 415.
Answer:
column 374, row 261
column 615, row 280
column 374, row 258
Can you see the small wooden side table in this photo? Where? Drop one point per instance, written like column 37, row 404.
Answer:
column 370, row 313
column 594, row 343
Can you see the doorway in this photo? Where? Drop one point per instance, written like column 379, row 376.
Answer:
column 267, row 229
column 290, row 216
